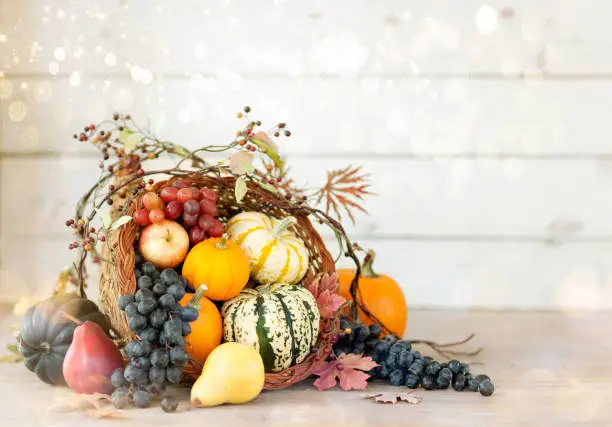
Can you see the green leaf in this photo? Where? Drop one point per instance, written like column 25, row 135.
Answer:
column 125, row 134
column 241, row 189
column 249, row 170
column 262, row 140
column 268, row 187
column 104, row 217
column 13, row 357
column 181, row 151
column 121, row 221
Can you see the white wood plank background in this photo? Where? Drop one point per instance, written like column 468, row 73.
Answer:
column 291, row 37
column 484, row 125
column 387, row 116
column 464, row 198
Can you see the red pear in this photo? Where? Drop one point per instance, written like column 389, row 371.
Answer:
column 91, row 360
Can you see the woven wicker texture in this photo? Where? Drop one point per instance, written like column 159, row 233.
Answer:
column 117, row 274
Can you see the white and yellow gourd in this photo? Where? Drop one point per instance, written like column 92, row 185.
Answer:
column 280, row 321
column 275, row 254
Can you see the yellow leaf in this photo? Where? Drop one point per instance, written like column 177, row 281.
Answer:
column 62, row 281
column 11, row 358
column 131, row 142
column 23, row 305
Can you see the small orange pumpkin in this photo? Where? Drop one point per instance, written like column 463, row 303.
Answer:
column 207, row 329
column 220, row 264
column 380, row 294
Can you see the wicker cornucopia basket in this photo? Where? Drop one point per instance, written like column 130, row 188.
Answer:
column 117, row 274
column 252, row 180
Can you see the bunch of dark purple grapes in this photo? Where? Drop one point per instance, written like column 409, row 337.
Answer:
column 160, row 323
column 403, row 366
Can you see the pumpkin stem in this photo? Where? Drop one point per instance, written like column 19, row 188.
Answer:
column 283, row 224
column 195, row 300
column 368, row 261
column 71, row 318
column 222, row 243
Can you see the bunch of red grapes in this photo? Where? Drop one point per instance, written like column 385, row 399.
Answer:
column 195, row 209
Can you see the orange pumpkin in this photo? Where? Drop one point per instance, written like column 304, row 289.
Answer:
column 206, row 330
column 220, row 264
column 380, row 294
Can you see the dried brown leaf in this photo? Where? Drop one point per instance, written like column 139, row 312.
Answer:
column 343, row 191
column 80, row 402
column 394, row 398
column 183, row 408
column 104, row 413
column 11, row 358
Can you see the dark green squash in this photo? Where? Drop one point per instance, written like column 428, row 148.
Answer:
column 45, row 334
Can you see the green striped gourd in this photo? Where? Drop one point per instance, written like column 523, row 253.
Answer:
column 281, row 321
column 275, row 254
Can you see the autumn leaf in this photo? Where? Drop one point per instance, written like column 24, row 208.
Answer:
column 346, row 368
column 263, row 141
column 24, row 303
column 324, row 288
column 13, row 357
column 131, row 142
column 241, row 189
column 266, row 141
column 344, row 192
column 104, row 217
column 393, row 398
column 80, row 402
column 329, row 304
column 329, row 282
column 240, row 162
column 93, row 405
column 121, row 221
column 104, row 413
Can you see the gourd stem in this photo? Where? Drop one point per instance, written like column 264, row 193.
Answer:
column 195, row 300
column 71, row 318
column 222, row 243
column 283, row 224
column 368, row 261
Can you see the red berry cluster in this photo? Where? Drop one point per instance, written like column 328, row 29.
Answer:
column 195, row 209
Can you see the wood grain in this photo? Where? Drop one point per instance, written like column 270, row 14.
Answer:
column 377, row 115
column 496, row 199
column 549, row 369
column 317, row 37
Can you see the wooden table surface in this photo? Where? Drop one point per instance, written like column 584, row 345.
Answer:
column 549, row 369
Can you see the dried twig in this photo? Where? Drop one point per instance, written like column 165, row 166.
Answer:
column 441, row 349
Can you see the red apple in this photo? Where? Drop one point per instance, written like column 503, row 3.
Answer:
column 164, row 244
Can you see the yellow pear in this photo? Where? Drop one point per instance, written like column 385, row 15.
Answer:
column 233, row 373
